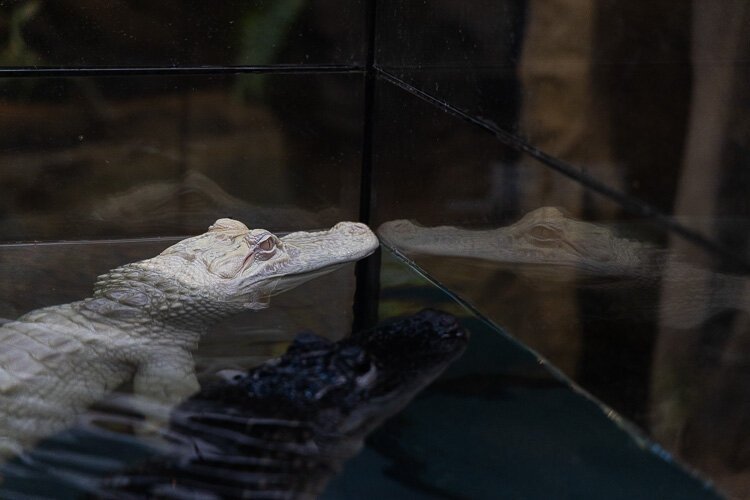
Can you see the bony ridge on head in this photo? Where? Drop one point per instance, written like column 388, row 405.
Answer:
column 229, row 225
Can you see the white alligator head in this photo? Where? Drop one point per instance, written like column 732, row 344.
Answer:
column 234, row 263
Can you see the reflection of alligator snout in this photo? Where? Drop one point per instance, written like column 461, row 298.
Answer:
column 544, row 244
column 547, row 248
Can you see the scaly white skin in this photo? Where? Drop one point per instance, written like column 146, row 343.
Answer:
column 145, row 319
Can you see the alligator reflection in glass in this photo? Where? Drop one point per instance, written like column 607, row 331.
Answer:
column 546, row 246
column 662, row 362
column 534, row 265
column 145, row 319
column 283, row 429
column 190, row 204
column 182, row 206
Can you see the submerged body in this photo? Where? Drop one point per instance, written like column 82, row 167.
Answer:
column 283, row 429
column 145, row 319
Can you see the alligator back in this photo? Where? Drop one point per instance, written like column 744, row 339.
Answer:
column 52, row 366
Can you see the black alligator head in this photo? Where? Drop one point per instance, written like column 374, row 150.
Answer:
column 287, row 426
column 372, row 367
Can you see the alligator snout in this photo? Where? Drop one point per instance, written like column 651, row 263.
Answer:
column 445, row 324
column 351, row 228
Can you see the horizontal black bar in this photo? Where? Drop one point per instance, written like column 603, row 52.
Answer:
column 632, row 205
column 26, row 72
column 460, row 66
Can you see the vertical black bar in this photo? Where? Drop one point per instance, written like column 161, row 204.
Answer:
column 184, row 54
column 367, row 198
column 368, row 270
column 183, row 132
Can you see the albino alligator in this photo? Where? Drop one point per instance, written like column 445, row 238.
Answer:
column 283, row 429
column 145, row 318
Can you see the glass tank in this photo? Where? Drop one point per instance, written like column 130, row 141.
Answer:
column 550, row 301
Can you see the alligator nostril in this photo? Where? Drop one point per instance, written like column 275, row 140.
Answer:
column 353, row 228
column 455, row 334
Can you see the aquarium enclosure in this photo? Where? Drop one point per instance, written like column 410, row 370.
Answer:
column 552, row 300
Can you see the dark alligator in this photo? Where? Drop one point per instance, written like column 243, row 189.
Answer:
column 283, row 429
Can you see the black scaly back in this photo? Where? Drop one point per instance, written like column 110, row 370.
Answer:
column 283, row 429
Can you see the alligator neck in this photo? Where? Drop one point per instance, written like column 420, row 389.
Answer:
column 141, row 293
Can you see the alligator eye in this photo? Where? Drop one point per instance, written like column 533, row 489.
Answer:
column 544, row 233
column 266, row 245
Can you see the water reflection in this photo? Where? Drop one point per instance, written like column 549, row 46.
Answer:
column 190, row 204
column 284, row 428
column 76, row 152
column 182, row 205
column 672, row 362
column 145, row 319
